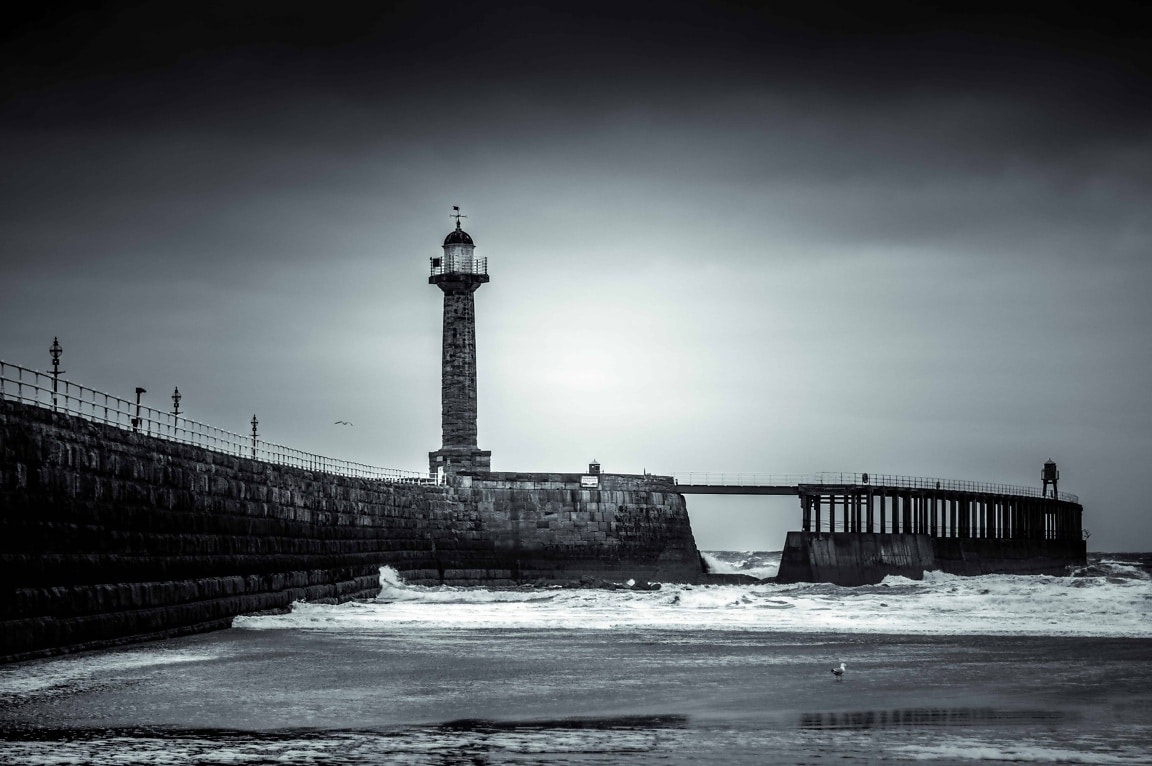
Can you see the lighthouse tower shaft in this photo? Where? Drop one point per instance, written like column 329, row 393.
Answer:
column 459, row 275
column 458, row 380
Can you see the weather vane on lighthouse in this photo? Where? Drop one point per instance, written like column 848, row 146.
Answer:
column 456, row 214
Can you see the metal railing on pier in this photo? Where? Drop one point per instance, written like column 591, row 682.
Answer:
column 42, row 389
column 861, row 479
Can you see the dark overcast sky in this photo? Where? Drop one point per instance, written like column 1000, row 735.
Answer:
column 722, row 236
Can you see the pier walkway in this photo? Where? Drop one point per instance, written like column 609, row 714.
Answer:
column 887, row 503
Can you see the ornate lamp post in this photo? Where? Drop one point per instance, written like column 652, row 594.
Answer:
column 176, row 411
column 55, row 351
column 255, row 423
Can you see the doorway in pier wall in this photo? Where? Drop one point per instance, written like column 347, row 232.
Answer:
column 742, row 524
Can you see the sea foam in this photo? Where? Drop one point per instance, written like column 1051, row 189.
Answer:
column 1115, row 603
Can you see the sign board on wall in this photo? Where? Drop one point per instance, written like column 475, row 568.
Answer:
column 590, row 481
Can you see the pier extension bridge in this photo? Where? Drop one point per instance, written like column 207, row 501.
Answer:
column 857, row 527
column 886, row 503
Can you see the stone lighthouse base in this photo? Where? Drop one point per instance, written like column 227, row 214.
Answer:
column 453, row 460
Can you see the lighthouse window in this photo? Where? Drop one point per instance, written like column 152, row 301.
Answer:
column 435, row 263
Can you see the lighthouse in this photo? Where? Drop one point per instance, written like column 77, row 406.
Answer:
column 458, row 273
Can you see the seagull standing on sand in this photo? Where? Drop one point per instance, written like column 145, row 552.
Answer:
column 838, row 672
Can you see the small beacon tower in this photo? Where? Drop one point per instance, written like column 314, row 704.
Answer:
column 459, row 274
column 1050, row 475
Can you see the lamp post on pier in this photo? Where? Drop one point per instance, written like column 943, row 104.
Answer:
column 255, row 423
column 136, row 420
column 56, row 350
column 175, row 409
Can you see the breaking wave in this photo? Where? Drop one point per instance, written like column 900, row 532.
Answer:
column 760, row 564
column 1111, row 598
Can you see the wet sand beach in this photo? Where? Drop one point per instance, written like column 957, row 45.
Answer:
column 582, row 696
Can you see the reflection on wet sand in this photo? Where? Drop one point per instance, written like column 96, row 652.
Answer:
column 603, row 722
column 462, row 741
column 934, row 716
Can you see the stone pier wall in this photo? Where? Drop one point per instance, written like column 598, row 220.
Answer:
column 547, row 526
column 854, row 558
column 860, row 558
column 108, row 535
column 981, row 556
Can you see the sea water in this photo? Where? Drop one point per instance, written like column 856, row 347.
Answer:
column 942, row 670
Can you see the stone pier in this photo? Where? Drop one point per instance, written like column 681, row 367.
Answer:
column 107, row 535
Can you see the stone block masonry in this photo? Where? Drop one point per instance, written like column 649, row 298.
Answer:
column 547, row 526
column 854, row 558
column 108, row 536
column 862, row 558
column 458, row 375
